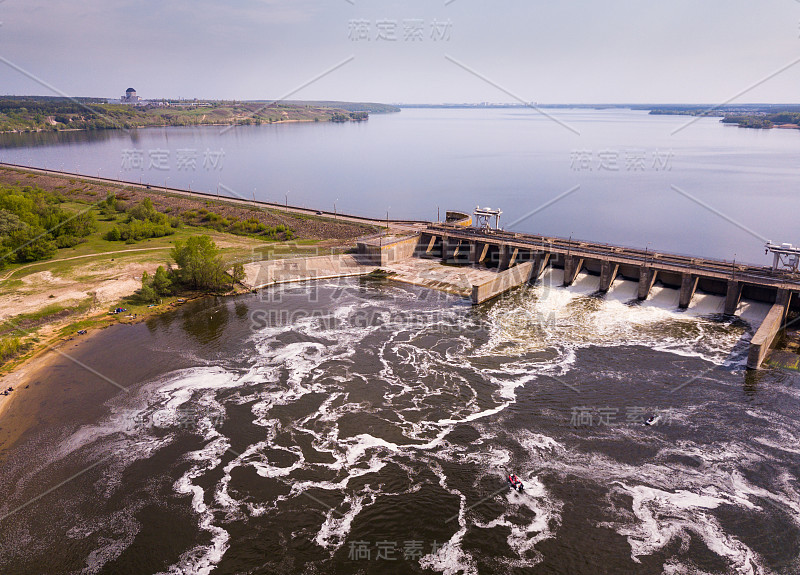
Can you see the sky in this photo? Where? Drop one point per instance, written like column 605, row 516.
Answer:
column 418, row 51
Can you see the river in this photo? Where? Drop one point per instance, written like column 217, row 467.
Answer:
column 364, row 426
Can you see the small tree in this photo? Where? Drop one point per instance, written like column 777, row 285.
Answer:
column 113, row 235
column 147, row 293
column 161, row 282
column 237, row 273
column 109, row 206
column 199, row 263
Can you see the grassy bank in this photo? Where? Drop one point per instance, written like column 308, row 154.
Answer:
column 43, row 301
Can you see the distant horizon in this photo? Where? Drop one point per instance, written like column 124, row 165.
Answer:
column 709, row 105
column 413, row 52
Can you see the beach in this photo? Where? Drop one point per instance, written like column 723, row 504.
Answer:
column 39, row 397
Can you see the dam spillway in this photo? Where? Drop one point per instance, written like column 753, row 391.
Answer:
column 517, row 258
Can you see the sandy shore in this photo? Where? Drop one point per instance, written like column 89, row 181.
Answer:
column 19, row 410
column 39, row 388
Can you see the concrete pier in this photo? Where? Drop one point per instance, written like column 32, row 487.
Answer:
column 446, row 247
column 732, row 297
column 540, row 262
column 477, row 252
column 647, row 277
column 572, row 266
column 608, row 273
column 770, row 327
column 688, row 287
column 501, row 283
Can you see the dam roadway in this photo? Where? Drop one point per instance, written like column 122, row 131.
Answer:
column 567, row 248
column 519, row 258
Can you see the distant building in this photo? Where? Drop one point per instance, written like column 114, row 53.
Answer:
column 130, row 97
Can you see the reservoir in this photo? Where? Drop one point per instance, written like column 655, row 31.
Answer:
column 736, row 187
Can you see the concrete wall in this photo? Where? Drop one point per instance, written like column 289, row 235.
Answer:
column 400, row 250
column 272, row 272
column 766, row 334
column 458, row 218
column 504, row 281
column 379, row 255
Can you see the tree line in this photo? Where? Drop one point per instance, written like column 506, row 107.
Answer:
column 33, row 225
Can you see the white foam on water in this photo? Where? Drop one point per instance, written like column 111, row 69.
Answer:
column 609, row 318
column 451, row 559
column 202, row 559
column 684, row 511
column 336, row 527
column 706, row 304
column 566, row 319
column 663, row 297
column 623, row 290
column 679, row 500
column 536, row 442
column 753, row 312
column 284, row 370
column 585, row 283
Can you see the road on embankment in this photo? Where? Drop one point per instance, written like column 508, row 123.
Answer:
column 408, row 225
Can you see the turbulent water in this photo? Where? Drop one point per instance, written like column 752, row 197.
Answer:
column 365, row 427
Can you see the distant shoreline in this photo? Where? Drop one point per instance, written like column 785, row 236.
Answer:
column 33, row 114
column 218, row 124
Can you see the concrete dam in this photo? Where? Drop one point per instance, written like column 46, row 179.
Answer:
column 482, row 263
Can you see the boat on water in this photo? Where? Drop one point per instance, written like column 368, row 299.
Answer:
column 652, row 420
column 515, row 482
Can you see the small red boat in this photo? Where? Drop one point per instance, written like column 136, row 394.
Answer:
column 514, row 482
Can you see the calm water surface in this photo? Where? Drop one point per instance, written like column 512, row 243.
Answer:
column 418, row 160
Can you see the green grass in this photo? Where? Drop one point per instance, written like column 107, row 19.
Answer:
column 11, row 347
column 95, row 247
column 26, row 322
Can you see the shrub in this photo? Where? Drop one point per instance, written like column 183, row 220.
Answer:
column 199, row 264
column 113, row 234
column 68, row 241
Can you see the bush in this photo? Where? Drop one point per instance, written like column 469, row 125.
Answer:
column 11, row 347
column 146, row 293
column 33, row 225
column 68, row 241
column 143, row 222
column 144, row 211
column 162, row 284
column 199, row 264
column 28, row 245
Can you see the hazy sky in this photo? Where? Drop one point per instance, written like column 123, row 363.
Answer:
column 700, row 51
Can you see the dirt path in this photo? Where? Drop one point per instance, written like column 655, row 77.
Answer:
column 45, row 262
